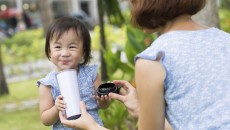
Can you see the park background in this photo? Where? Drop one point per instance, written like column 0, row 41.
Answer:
column 115, row 42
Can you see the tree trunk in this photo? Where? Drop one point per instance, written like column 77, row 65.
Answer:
column 104, row 74
column 3, row 84
column 208, row 16
column 46, row 13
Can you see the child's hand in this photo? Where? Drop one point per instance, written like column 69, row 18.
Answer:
column 103, row 98
column 103, row 101
column 60, row 104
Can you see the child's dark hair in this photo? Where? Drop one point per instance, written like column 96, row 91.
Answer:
column 63, row 24
column 156, row 13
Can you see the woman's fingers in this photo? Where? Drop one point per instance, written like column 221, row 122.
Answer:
column 117, row 97
column 124, row 84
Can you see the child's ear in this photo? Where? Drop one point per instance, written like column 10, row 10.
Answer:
column 82, row 60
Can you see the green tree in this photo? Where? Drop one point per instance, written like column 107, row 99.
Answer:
column 208, row 15
column 112, row 10
column 225, row 4
column 3, row 84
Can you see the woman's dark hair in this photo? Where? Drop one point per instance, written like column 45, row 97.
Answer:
column 156, row 13
column 63, row 24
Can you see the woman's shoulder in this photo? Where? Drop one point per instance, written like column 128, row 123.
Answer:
column 220, row 33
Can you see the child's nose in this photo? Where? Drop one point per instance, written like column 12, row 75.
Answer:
column 65, row 52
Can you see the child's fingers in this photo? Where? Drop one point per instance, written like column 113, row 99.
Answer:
column 60, row 107
column 106, row 97
column 102, row 98
column 60, row 104
column 96, row 97
column 60, row 97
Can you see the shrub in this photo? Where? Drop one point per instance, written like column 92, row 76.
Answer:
column 24, row 46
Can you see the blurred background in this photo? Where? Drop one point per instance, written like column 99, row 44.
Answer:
column 115, row 42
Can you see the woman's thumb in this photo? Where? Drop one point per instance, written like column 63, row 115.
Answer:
column 116, row 96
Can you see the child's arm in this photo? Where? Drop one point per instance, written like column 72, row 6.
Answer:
column 103, row 101
column 48, row 111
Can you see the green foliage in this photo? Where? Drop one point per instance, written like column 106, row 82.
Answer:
column 115, row 41
column 118, row 36
column 114, row 64
column 113, row 11
column 225, row 19
column 127, row 16
column 23, row 47
column 115, row 117
column 136, row 42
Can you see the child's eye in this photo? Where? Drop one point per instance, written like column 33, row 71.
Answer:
column 57, row 47
column 73, row 47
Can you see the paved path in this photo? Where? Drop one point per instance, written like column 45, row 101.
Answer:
column 9, row 107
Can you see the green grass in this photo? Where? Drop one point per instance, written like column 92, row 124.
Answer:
column 20, row 91
column 21, row 120
column 26, row 119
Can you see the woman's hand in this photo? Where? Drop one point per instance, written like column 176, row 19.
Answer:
column 85, row 122
column 128, row 96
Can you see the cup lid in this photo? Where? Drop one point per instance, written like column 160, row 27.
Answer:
column 106, row 88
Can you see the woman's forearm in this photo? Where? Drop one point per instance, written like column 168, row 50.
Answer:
column 98, row 127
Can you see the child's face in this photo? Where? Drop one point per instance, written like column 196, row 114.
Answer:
column 67, row 51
